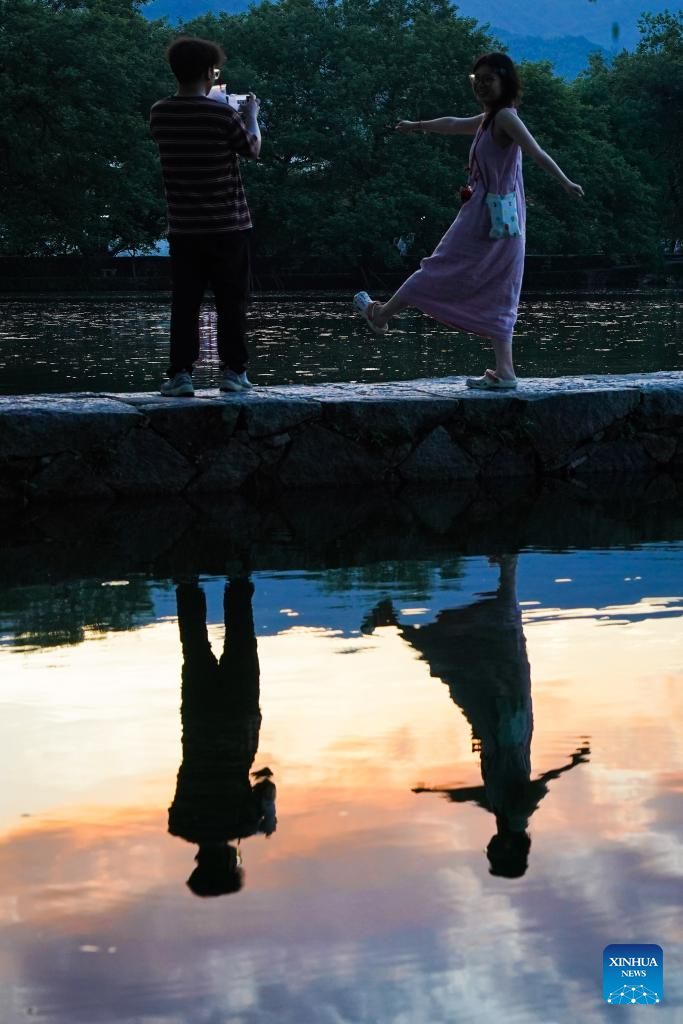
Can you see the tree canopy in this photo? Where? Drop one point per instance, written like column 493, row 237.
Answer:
column 335, row 183
column 78, row 170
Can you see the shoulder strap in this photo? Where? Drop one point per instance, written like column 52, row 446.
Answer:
column 475, row 161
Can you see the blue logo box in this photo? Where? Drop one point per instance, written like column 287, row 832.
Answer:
column 633, row 973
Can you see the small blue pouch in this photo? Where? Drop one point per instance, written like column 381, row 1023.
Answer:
column 504, row 218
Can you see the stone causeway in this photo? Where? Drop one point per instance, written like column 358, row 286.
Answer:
column 91, row 446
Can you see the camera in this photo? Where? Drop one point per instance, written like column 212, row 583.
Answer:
column 237, row 99
column 233, row 99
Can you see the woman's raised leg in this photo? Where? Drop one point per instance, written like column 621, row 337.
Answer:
column 382, row 312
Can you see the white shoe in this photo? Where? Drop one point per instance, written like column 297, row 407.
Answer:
column 178, row 386
column 492, row 382
column 364, row 305
column 231, row 381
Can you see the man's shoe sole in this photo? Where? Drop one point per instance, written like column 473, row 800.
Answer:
column 179, row 393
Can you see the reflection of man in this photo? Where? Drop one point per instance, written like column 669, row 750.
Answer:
column 215, row 802
column 479, row 651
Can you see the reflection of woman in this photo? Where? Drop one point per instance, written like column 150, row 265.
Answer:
column 479, row 651
column 215, row 802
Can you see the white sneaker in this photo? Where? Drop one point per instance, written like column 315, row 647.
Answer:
column 231, row 381
column 178, row 386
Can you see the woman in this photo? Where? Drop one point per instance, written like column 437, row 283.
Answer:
column 473, row 278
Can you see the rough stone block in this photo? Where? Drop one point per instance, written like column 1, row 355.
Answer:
column 481, row 447
column 192, row 426
column 143, row 463
column 621, row 456
column 484, row 412
column 382, row 422
column 659, row 447
column 224, row 469
column 662, row 405
column 67, row 476
column 321, row 458
column 278, row 441
column 676, row 464
column 437, row 458
column 558, row 423
column 507, row 462
column 48, row 424
column 265, row 417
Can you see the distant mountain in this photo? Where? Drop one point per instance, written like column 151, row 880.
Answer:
column 550, row 20
column 568, row 54
column 579, row 18
column 186, row 10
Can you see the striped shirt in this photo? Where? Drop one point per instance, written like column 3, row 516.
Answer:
column 200, row 142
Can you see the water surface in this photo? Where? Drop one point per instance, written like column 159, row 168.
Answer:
column 121, row 344
column 478, row 763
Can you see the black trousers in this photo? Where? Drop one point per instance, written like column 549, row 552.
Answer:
column 221, row 262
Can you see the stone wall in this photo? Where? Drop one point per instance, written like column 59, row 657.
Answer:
column 78, row 446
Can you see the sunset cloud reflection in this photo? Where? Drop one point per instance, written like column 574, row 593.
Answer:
column 370, row 902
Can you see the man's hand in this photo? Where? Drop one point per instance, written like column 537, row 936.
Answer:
column 251, row 107
column 408, row 126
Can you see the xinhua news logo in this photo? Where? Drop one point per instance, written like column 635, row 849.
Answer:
column 633, row 974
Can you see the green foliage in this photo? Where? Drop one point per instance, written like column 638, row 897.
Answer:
column 49, row 615
column 637, row 103
column 617, row 213
column 335, row 181
column 335, row 184
column 78, row 170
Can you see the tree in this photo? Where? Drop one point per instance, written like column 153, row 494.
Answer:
column 638, row 102
column 616, row 215
column 78, row 169
column 335, row 182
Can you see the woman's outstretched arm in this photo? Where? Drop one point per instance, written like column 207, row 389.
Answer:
column 443, row 125
column 518, row 131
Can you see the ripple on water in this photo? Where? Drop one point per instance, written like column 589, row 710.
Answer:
column 122, row 344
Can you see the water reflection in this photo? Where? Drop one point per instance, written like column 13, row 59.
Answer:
column 215, row 804
column 479, row 651
column 370, row 904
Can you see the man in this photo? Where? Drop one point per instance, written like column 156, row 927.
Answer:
column 200, row 142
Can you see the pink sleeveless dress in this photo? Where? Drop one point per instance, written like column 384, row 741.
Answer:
column 472, row 282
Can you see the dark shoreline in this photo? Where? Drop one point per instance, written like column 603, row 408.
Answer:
column 25, row 276
column 325, row 294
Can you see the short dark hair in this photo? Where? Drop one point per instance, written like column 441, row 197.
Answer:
column 190, row 57
column 508, row 854
column 511, row 84
column 218, row 871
